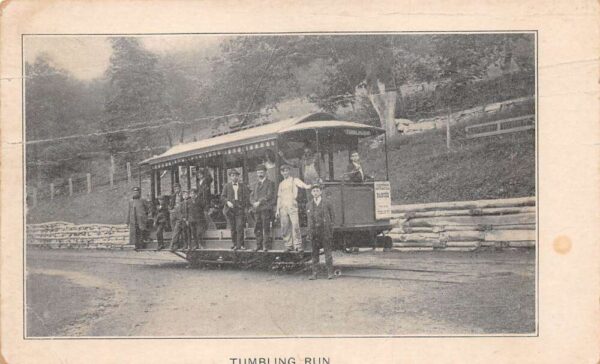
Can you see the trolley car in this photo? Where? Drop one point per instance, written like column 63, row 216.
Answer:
column 362, row 210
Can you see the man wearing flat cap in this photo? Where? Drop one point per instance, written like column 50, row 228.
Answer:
column 262, row 199
column 320, row 216
column 137, row 219
column 235, row 197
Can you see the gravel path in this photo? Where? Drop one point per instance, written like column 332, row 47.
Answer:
column 105, row 293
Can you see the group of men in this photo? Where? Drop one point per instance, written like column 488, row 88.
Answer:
column 269, row 203
column 186, row 213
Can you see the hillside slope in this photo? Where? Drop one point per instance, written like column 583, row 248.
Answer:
column 421, row 169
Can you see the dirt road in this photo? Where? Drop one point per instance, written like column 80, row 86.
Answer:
column 105, row 293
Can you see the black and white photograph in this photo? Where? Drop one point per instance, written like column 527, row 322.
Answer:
column 280, row 185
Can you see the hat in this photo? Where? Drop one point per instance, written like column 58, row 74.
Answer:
column 284, row 166
column 316, row 185
column 136, row 189
column 234, row 171
column 261, row 167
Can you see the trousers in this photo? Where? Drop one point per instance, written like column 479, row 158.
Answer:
column 262, row 229
column 290, row 227
column 160, row 228
column 237, row 222
column 320, row 240
column 197, row 229
column 180, row 235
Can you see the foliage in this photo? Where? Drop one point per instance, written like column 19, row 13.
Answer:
column 58, row 105
column 135, row 94
column 338, row 73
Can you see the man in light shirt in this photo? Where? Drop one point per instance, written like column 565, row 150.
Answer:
column 287, row 209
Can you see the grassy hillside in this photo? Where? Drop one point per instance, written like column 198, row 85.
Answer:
column 422, row 170
column 108, row 206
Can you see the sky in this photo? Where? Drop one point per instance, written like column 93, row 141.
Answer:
column 87, row 57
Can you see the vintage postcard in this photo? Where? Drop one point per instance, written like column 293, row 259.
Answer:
column 276, row 183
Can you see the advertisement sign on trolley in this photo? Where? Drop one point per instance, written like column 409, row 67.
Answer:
column 383, row 200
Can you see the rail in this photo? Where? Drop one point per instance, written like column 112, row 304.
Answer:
column 498, row 127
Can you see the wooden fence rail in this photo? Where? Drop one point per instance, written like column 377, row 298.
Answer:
column 497, row 127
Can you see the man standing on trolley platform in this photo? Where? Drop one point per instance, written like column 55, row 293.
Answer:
column 287, row 209
column 262, row 199
column 320, row 230
column 235, row 196
column 137, row 219
column 196, row 219
column 180, row 230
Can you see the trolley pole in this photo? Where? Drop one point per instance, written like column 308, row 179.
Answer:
column 448, row 132
column 112, row 171
column 128, row 173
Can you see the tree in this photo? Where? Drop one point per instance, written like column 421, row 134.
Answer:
column 135, row 95
column 54, row 108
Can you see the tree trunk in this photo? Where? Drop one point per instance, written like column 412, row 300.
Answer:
column 384, row 104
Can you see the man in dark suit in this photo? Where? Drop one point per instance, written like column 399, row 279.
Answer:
column 354, row 172
column 235, row 196
column 161, row 221
column 196, row 220
column 204, row 182
column 175, row 200
column 180, row 230
column 320, row 216
column 137, row 219
column 262, row 199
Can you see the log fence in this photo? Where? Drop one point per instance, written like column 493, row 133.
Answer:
column 467, row 225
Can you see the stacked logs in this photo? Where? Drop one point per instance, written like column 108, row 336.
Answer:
column 68, row 235
column 466, row 225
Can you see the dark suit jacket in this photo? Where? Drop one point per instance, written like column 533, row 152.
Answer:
column 229, row 195
column 204, row 187
column 162, row 215
column 328, row 217
column 137, row 214
column 195, row 209
column 180, row 212
column 173, row 200
column 264, row 194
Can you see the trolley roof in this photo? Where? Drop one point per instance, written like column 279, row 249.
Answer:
column 252, row 138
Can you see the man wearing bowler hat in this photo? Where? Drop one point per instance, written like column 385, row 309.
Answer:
column 262, row 199
column 137, row 219
column 235, row 197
